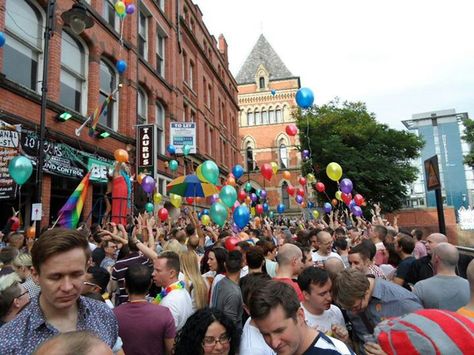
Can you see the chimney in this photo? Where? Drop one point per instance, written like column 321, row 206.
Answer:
column 223, row 49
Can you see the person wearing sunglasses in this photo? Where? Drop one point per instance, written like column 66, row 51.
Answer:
column 13, row 297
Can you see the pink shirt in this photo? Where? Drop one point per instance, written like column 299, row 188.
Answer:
column 420, row 250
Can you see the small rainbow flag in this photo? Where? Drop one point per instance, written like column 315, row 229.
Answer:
column 71, row 211
column 94, row 118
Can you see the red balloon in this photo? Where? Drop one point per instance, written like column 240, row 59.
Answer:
column 320, row 187
column 266, row 171
column 291, row 190
column 346, row 198
column 302, row 181
column 15, row 224
column 189, row 200
column 300, row 191
column 163, row 214
column 359, row 199
column 241, row 195
column 291, row 129
column 231, row 243
column 259, row 209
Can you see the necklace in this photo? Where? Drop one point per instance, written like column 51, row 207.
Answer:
column 176, row 286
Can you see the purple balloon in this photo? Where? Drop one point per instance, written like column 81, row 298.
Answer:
column 327, row 207
column 214, row 198
column 130, row 9
column 298, row 199
column 346, row 186
column 263, row 194
column 357, row 211
column 253, row 197
column 148, row 184
column 305, row 154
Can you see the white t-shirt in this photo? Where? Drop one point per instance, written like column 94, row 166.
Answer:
column 180, row 305
column 252, row 342
column 324, row 322
column 320, row 258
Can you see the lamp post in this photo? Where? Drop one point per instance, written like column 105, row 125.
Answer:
column 78, row 20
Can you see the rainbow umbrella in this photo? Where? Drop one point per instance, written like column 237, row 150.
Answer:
column 191, row 186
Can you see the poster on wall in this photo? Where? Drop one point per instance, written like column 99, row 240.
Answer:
column 146, row 148
column 9, row 148
column 182, row 133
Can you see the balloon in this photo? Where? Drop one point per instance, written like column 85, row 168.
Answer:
column 266, row 170
column 157, row 197
column 253, row 197
column 20, row 169
column 310, row 177
column 2, row 39
column 248, row 201
column 281, row 208
column 248, row 187
column 315, row 214
column 15, row 223
column 259, row 209
column 219, row 213
column 140, row 177
column 302, row 181
column 334, row 171
column 327, row 207
column 300, row 192
column 238, row 171
column 273, row 92
column 214, row 198
column 210, row 171
column 303, row 204
column 120, row 8
column 291, row 190
column 199, row 174
column 304, row 97
column 186, row 149
column 346, row 198
column 163, row 214
column 205, row 219
column 263, row 194
column 310, row 204
column 121, row 156
column 231, row 181
column 338, row 195
column 305, row 154
column 171, row 149
column 176, row 200
column 271, row 214
column 299, row 199
column 334, row 202
column 189, row 200
column 345, row 185
column 291, row 129
column 31, row 232
column 228, row 195
column 241, row 216
column 127, row 2
column 130, row 9
column 149, row 207
column 173, row 164
column 274, row 167
column 357, row 211
column 205, row 211
column 320, row 187
column 148, row 184
column 265, row 207
column 358, row 199
column 252, row 211
column 121, row 66
column 241, row 195
column 231, row 242
column 286, row 175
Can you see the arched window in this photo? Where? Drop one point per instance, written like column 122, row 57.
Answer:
column 265, row 116
column 108, row 83
column 285, row 197
column 23, row 45
column 271, row 114
column 142, row 106
column 261, row 82
column 160, row 125
column 279, row 117
column 283, row 154
column 73, row 73
column 250, row 118
column 249, row 158
column 258, row 118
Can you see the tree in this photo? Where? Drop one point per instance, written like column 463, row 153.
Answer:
column 469, row 138
column 375, row 157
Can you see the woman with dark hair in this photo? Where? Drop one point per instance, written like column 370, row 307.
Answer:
column 208, row 331
column 216, row 259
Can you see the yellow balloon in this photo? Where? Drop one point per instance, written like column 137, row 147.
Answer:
column 252, row 211
column 315, row 214
column 338, row 195
column 274, row 167
column 205, row 219
column 176, row 200
column 334, row 171
column 157, row 197
column 199, row 174
column 120, row 7
column 310, row 177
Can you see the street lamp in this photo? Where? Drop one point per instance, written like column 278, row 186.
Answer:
column 78, row 20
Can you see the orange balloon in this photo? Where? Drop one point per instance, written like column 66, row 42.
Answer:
column 121, row 156
column 31, row 232
column 140, row 177
column 286, row 175
column 248, row 200
column 303, row 204
column 231, row 181
column 199, row 199
column 334, row 202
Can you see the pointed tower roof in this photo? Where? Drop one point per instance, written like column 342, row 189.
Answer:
column 262, row 53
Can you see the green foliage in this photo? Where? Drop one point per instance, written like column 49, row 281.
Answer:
column 375, row 157
column 469, row 138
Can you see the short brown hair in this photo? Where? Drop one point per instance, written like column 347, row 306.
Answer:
column 406, row 243
column 349, row 286
column 172, row 260
column 56, row 241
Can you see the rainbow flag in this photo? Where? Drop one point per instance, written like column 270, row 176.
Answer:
column 71, row 211
column 96, row 115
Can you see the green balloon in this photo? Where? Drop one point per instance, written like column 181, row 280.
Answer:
column 20, row 169
column 228, row 195
column 210, row 171
column 218, row 213
column 248, row 187
column 173, row 164
column 149, row 207
column 271, row 214
column 186, row 149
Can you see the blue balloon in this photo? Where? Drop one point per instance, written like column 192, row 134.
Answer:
column 241, row 216
column 273, row 92
column 281, row 208
column 327, row 207
column 171, row 149
column 304, row 98
column 206, row 212
column 238, row 171
column 265, row 207
column 310, row 204
column 121, row 66
column 2, row 39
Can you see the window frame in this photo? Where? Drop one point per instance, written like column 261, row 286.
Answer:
column 140, row 118
column 115, row 99
column 160, row 121
column 143, row 11
column 161, row 57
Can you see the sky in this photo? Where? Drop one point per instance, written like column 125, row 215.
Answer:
column 399, row 57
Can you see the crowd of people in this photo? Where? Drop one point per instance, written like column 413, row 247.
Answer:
column 336, row 285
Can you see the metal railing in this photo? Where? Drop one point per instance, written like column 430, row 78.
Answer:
column 466, row 250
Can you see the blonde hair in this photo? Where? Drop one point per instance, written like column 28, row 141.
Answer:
column 23, row 259
column 194, row 280
column 173, row 245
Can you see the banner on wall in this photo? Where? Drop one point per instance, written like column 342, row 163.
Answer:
column 9, row 148
column 182, row 133
column 146, row 148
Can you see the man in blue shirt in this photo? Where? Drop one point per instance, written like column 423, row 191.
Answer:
column 59, row 259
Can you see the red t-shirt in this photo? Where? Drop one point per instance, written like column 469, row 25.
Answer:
column 292, row 284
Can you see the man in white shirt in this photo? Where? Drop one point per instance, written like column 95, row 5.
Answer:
column 319, row 312
column 174, row 294
column 325, row 249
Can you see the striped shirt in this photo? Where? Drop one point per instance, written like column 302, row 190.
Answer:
column 118, row 273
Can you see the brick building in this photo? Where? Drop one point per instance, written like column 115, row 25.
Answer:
column 176, row 72
column 267, row 92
